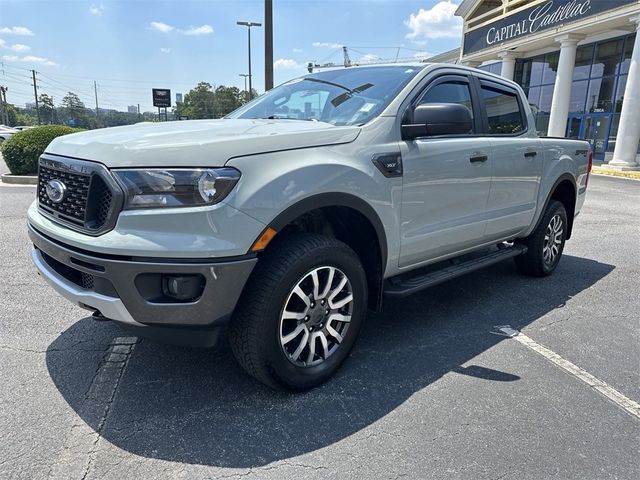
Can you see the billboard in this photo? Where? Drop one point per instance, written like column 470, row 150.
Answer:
column 161, row 97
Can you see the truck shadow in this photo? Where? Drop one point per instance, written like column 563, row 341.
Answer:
column 197, row 406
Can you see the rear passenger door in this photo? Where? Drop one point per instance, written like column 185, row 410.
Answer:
column 517, row 158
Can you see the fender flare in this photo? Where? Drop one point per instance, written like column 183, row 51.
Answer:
column 560, row 179
column 335, row 199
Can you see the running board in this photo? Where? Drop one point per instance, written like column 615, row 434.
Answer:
column 404, row 285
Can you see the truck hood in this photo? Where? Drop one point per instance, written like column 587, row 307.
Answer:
column 196, row 143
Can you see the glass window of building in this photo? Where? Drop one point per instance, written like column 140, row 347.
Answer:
column 597, row 92
column 578, row 96
column 622, row 83
column 495, row 67
column 600, row 95
column 546, row 95
column 607, row 58
column 584, row 59
column 628, row 51
column 534, row 99
column 537, row 67
column 550, row 67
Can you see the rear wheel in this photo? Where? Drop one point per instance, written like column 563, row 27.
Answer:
column 300, row 312
column 546, row 242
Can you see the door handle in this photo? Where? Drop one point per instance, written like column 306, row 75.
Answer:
column 478, row 159
column 530, row 154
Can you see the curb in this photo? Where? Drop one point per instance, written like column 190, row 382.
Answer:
column 20, row 179
column 615, row 173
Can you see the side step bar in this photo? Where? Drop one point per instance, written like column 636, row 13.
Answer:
column 398, row 287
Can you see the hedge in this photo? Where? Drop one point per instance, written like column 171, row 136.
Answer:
column 22, row 150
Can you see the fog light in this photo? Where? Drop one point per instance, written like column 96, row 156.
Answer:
column 183, row 287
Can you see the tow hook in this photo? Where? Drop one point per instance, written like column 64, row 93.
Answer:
column 97, row 316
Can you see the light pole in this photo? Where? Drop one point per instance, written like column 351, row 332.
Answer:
column 268, row 45
column 249, row 25
column 245, row 79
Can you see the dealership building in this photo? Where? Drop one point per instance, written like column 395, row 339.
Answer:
column 578, row 61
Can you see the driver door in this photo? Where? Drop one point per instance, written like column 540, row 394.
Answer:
column 446, row 182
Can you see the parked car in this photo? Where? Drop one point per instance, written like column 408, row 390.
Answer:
column 23, row 127
column 290, row 218
column 6, row 132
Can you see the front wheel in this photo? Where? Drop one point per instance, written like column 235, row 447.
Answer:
column 300, row 312
column 546, row 242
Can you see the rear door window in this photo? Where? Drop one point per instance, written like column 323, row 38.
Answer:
column 504, row 113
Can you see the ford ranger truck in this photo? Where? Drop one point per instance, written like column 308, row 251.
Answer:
column 284, row 222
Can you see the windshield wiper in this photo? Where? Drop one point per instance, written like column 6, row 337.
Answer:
column 349, row 92
column 327, row 82
column 273, row 117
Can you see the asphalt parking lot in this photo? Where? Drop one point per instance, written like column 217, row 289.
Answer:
column 430, row 390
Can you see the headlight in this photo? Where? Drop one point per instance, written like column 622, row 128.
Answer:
column 152, row 188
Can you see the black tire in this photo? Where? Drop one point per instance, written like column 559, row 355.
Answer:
column 534, row 262
column 255, row 331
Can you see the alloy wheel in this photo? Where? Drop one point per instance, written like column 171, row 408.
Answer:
column 316, row 316
column 553, row 239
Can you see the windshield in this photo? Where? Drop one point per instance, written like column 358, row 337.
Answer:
column 351, row 96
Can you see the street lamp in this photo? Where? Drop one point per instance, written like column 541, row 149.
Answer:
column 249, row 25
column 245, row 79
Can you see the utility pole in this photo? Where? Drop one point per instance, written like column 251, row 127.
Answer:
column 35, row 94
column 249, row 25
column 95, row 89
column 2, row 102
column 268, row 45
column 138, row 112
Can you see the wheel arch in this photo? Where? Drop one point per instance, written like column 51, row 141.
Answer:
column 565, row 191
column 348, row 218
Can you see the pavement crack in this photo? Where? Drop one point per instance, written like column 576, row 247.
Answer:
column 40, row 351
column 81, row 445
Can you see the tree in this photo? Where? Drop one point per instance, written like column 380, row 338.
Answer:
column 198, row 103
column 73, row 104
column 46, row 108
column 227, row 99
column 74, row 112
column 12, row 114
column 203, row 102
column 245, row 97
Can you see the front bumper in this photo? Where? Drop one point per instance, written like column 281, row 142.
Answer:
column 129, row 289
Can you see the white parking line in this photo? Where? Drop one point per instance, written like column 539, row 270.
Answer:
column 611, row 393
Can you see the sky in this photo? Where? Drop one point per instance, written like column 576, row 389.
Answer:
column 128, row 47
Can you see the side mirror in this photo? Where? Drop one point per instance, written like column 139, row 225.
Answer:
column 438, row 119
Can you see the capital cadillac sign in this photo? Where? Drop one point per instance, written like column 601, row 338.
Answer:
column 553, row 13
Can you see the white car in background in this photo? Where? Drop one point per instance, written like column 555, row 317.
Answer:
column 6, row 132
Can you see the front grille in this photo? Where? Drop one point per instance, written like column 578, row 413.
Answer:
column 91, row 199
column 74, row 204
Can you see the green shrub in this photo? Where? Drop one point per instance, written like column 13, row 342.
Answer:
column 22, row 150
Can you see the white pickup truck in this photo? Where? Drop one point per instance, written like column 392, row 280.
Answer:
column 284, row 222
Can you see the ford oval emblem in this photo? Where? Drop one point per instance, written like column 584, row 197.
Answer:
column 56, row 190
